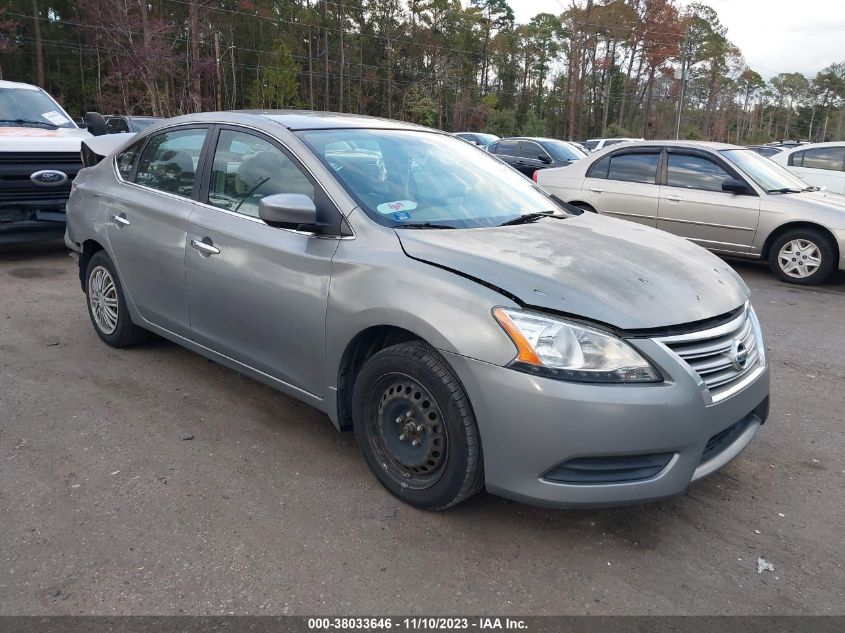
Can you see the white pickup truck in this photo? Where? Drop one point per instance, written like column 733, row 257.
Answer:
column 39, row 158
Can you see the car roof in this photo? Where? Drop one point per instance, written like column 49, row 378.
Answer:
column 806, row 146
column 18, row 85
column 296, row 120
column 711, row 145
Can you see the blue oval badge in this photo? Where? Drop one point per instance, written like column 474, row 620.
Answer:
column 49, row 177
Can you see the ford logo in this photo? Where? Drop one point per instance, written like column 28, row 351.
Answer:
column 49, row 177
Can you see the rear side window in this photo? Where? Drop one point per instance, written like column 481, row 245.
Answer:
column 599, row 168
column 508, row 148
column 634, row 167
column 169, row 161
column 829, row 158
column 125, row 161
column 694, row 172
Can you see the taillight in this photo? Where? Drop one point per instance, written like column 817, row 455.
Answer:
column 534, row 175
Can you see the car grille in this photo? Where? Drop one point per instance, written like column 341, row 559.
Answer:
column 16, row 188
column 49, row 159
column 724, row 357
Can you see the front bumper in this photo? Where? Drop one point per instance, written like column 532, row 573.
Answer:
column 530, row 426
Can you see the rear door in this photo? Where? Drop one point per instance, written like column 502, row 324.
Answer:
column 624, row 184
column 147, row 215
column 693, row 205
column 507, row 150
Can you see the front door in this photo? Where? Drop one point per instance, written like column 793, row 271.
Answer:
column 528, row 160
column 693, row 205
column 257, row 294
column 147, row 212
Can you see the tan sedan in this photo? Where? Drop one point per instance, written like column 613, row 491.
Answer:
column 725, row 198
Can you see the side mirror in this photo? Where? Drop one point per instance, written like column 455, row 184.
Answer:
column 732, row 185
column 544, row 159
column 95, row 123
column 286, row 209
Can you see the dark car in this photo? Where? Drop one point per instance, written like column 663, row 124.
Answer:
column 528, row 154
column 118, row 123
column 766, row 150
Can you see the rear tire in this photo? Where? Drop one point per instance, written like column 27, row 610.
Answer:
column 107, row 305
column 415, row 426
column 802, row 256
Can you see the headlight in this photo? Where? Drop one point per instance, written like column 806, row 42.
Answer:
column 559, row 349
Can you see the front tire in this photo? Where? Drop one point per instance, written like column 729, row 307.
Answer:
column 802, row 256
column 107, row 305
column 415, row 426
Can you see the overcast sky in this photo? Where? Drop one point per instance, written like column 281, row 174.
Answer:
column 774, row 35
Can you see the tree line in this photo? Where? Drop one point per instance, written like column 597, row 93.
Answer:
column 592, row 68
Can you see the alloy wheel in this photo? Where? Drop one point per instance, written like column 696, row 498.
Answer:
column 102, row 296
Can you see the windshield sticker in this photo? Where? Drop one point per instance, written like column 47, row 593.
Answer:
column 396, row 205
column 54, row 117
column 402, row 215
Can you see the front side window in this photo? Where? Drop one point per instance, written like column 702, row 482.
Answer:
column 634, row 167
column 247, row 168
column 404, row 177
column 694, row 172
column 531, row 150
column 829, row 158
column 507, row 148
column 125, row 161
column 170, row 159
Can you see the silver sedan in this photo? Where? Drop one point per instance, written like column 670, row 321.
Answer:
column 726, row 198
column 472, row 331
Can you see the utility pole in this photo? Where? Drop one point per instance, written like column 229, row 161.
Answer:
column 682, row 77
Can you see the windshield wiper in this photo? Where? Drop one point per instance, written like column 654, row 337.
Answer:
column 424, row 225
column 812, row 188
column 785, row 190
column 528, row 217
column 25, row 122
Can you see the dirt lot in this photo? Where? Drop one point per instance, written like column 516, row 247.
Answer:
column 106, row 509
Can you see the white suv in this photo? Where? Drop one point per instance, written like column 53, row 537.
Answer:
column 821, row 165
column 596, row 144
column 39, row 157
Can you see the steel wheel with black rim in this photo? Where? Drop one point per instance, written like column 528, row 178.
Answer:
column 802, row 256
column 107, row 306
column 415, row 427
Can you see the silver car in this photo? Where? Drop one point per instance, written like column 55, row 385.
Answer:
column 471, row 330
column 726, row 198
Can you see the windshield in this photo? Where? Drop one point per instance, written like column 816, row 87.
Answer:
column 766, row 173
column 402, row 177
column 486, row 139
column 563, row 151
column 31, row 108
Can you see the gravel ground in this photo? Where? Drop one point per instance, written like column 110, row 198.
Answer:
column 105, row 508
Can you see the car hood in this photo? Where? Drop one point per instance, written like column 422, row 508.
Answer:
column 31, row 139
column 619, row 273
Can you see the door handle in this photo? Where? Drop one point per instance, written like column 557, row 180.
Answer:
column 674, row 198
column 204, row 247
column 120, row 220
column 596, row 189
